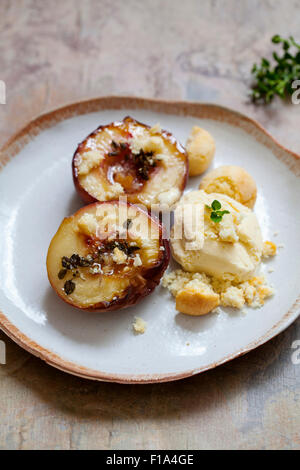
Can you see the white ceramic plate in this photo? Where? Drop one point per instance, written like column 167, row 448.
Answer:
column 36, row 192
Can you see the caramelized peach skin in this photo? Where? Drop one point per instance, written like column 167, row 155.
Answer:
column 134, row 292
column 136, row 197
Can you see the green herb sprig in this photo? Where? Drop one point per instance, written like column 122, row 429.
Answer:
column 216, row 214
column 276, row 79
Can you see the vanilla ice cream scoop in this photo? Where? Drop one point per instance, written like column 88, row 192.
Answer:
column 230, row 248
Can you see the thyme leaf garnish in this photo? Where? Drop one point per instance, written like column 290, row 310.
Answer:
column 123, row 246
column 92, row 261
column 62, row 273
column 69, row 287
column 216, row 214
column 143, row 161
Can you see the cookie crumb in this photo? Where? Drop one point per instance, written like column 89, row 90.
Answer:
column 139, row 326
column 269, row 249
column 216, row 310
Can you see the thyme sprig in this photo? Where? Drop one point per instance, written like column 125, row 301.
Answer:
column 216, row 214
column 276, row 79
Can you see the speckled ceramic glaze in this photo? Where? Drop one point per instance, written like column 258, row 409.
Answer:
column 36, row 192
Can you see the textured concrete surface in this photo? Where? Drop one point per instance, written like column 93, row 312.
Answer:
column 54, row 52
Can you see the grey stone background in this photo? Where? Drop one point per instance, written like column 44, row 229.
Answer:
column 54, row 52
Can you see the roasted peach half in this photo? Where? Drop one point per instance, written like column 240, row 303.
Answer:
column 129, row 158
column 108, row 255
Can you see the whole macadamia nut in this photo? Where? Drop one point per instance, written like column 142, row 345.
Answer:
column 200, row 147
column 233, row 181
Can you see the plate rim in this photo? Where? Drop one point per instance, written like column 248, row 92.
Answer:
column 198, row 109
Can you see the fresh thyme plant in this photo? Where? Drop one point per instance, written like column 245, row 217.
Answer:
column 276, row 79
